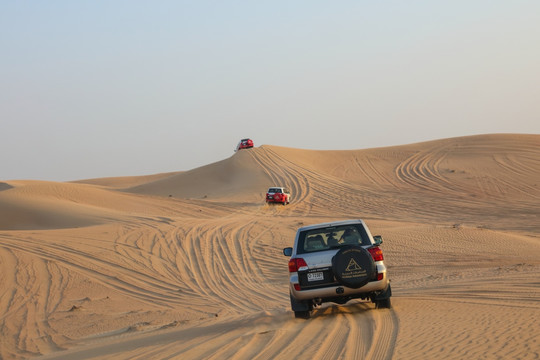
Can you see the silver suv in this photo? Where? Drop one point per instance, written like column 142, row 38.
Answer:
column 336, row 262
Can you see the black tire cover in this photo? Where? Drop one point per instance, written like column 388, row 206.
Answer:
column 353, row 266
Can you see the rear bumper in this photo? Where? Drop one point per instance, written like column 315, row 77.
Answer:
column 331, row 293
column 274, row 200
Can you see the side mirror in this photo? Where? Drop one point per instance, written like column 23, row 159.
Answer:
column 287, row 251
column 378, row 239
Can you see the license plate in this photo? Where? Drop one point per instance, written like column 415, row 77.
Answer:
column 316, row 276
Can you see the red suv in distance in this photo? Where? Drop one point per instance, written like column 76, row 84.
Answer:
column 278, row 195
column 244, row 144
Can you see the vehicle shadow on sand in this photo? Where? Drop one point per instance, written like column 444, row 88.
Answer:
column 352, row 307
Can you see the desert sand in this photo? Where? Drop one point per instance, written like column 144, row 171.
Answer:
column 189, row 265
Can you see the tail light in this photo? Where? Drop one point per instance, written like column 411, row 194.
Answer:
column 376, row 253
column 296, row 263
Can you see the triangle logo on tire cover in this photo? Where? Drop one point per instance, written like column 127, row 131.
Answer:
column 353, row 265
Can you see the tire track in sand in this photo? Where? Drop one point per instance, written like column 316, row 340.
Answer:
column 226, row 267
column 360, row 332
column 322, row 191
column 352, row 331
column 282, row 174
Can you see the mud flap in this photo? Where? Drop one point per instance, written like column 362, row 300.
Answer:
column 297, row 305
column 383, row 294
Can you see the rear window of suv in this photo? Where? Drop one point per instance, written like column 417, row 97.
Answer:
column 332, row 237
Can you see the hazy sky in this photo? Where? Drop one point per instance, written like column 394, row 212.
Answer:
column 93, row 89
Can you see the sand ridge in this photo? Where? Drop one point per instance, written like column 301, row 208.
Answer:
column 189, row 265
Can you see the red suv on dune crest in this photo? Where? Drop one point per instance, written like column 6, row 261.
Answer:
column 244, row 144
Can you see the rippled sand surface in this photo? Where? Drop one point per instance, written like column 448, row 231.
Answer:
column 189, row 265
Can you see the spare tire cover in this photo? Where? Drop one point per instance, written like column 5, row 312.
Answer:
column 353, row 266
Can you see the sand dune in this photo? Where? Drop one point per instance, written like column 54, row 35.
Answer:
column 125, row 181
column 188, row 265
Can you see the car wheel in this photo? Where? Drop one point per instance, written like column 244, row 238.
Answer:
column 383, row 304
column 302, row 309
column 353, row 266
column 382, row 300
column 302, row 314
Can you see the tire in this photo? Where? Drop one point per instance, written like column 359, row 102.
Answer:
column 383, row 304
column 302, row 314
column 302, row 310
column 382, row 300
column 353, row 266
